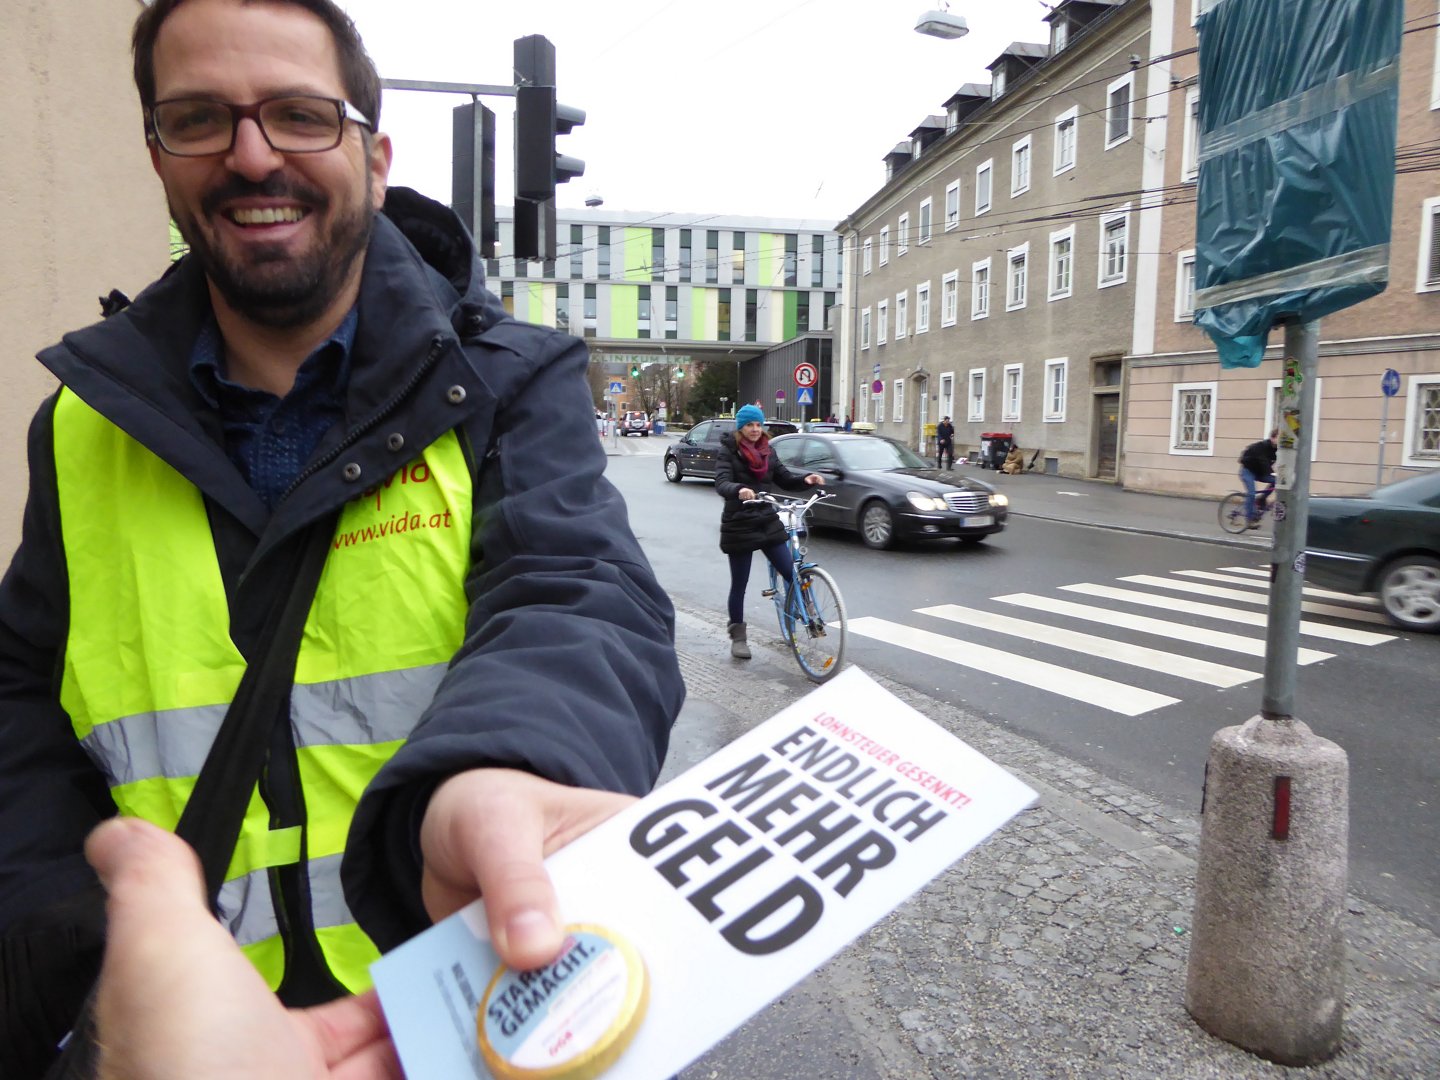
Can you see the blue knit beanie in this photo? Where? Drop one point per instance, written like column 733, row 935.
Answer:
column 749, row 414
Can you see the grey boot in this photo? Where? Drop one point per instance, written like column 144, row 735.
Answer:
column 739, row 647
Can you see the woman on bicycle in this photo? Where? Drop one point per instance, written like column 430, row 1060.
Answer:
column 747, row 465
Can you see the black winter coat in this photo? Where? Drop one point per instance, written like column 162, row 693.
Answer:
column 567, row 670
column 752, row 526
column 1259, row 458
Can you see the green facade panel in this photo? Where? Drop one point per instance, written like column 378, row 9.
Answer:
column 792, row 315
column 625, row 311
column 635, row 253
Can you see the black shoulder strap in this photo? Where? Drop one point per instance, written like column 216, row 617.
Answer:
column 215, row 811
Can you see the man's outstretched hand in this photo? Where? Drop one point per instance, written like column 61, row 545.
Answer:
column 178, row 999
column 487, row 831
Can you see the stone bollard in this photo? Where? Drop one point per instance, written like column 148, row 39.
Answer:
column 1266, row 965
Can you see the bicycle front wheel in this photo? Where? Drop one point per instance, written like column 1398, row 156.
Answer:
column 1232, row 512
column 818, row 632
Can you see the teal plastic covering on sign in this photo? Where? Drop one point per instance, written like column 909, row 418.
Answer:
column 1298, row 105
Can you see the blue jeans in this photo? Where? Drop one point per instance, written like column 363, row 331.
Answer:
column 779, row 556
column 1249, row 479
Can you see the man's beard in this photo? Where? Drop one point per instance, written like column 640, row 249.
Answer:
column 271, row 286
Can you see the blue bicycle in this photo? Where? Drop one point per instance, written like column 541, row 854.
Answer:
column 808, row 606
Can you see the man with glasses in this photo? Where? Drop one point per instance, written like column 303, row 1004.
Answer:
column 487, row 668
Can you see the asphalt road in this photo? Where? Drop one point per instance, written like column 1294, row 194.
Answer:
column 1056, row 640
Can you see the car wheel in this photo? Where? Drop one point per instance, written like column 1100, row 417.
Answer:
column 644, row 434
column 877, row 525
column 1410, row 592
column 673, row 472
column 971, row 541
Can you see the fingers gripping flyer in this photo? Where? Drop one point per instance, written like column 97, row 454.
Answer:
column 694, row 908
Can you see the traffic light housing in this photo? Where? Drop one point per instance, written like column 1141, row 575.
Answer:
column 472, row 173
column 538, row 167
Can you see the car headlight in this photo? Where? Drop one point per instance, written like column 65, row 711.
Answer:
column 924, row 502
column 997, row 499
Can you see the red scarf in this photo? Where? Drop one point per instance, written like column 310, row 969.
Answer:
column 756, row 455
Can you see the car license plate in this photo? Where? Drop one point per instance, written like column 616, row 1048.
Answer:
column 976, row 520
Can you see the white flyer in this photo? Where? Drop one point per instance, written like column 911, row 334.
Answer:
column 735, row 880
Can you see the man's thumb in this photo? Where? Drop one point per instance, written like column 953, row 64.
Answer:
column 142, row 864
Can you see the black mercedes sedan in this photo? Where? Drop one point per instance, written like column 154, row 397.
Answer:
column 1386, row 543
column 885, row 491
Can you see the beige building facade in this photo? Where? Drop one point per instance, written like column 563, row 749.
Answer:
column 995, row 277
column 1186, row 419
column 82, row 211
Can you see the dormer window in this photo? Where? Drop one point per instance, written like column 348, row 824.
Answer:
column 997, row 82
column 952, row 119
column 1061, row 34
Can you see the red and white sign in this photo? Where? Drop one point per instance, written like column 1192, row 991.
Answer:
column 806, row 375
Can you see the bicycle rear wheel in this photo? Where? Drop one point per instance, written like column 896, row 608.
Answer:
column 1232, row 512
column 818, row 631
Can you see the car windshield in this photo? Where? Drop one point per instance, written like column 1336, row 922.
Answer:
column 874, row 453
column 1415, row 489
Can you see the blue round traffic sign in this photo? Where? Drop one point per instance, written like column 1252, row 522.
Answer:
column 1390, row 382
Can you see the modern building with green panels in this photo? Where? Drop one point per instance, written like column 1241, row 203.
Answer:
column 713, row 285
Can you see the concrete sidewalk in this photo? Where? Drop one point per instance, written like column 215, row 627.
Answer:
column 1058, row 948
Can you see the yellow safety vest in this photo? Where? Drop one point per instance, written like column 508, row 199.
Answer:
column 150, row 668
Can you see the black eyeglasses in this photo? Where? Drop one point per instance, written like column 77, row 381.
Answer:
column 298, row 124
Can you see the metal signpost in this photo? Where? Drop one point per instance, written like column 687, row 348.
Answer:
column 1389, row 387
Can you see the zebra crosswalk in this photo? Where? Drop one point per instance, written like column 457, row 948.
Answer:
column 1230, row 595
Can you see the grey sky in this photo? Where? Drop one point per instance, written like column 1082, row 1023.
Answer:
column 759, row 107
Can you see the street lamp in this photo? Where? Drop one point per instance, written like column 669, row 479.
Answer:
column 942, row 24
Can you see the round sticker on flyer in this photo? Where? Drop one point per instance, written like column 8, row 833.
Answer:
column 570, row 1020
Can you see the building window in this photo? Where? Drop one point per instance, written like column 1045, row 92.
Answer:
column 924, row 228
column 1422, row 414
column 590, row 306
column 1056, row 372
column 737, row 258
column 1018, row 277
column 1428, row 276
column 922, row 308
column 1191, row 419
column 1020, row 167
column 865, row 255
column 1114, row 248
column 902, row 314
column 884, row 244
column 1272, row 412
column 792, row 259
column 672, row 311
column 642, row 312
column 1119, row 110
column 878, row 401
column 752, row 312
column 1185, row 286
column 1060, row 35
column 952, row 205
column 997, row 81
column 1065, row 140
column 980, row 289
column 949, row 297
column 1011, row 392
column 1190, row 156
column 898, row 397
column 817, row 261
column 802, row 312
column 603, row 252
column 947, row 393
column 657, row 254
column 577, row 251
column 712, row 256
column 977, row 395
column 562, row 307
column 723, row 319
column 902, row 235
column 1062, row 263
column 982, row 186
column 865, row 328
column 882, row 320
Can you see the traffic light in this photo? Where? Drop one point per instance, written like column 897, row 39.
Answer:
column 634, row 371
column 679, row 373
column 472, row 173
column 538, row 168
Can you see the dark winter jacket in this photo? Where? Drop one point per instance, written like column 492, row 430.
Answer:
column 945, row 433
column 568, row 667
column 749, row 526
column 1259, row 458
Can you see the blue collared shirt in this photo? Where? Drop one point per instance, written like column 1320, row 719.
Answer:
column 270, row 438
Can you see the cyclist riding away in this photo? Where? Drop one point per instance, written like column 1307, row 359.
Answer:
column 1257, row 466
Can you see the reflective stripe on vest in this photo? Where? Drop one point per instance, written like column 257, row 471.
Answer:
column 150, row 668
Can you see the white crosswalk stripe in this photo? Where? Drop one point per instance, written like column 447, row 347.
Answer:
column 1214, row 611
column 1196, row 588
column 1107, row 694
column 1200, row 635
column 1140, row 656
column 1231, row 596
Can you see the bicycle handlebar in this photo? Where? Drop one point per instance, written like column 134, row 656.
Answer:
column 790, row 502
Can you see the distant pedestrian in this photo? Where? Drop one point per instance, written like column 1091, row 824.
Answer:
column 1257, row 465
column 847, row 423
column 945, row 443
column 747, row 465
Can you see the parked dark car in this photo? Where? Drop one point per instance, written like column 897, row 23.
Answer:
column 1386, row 543
column 635, row 423
column 885, row 491
column 694, row 453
